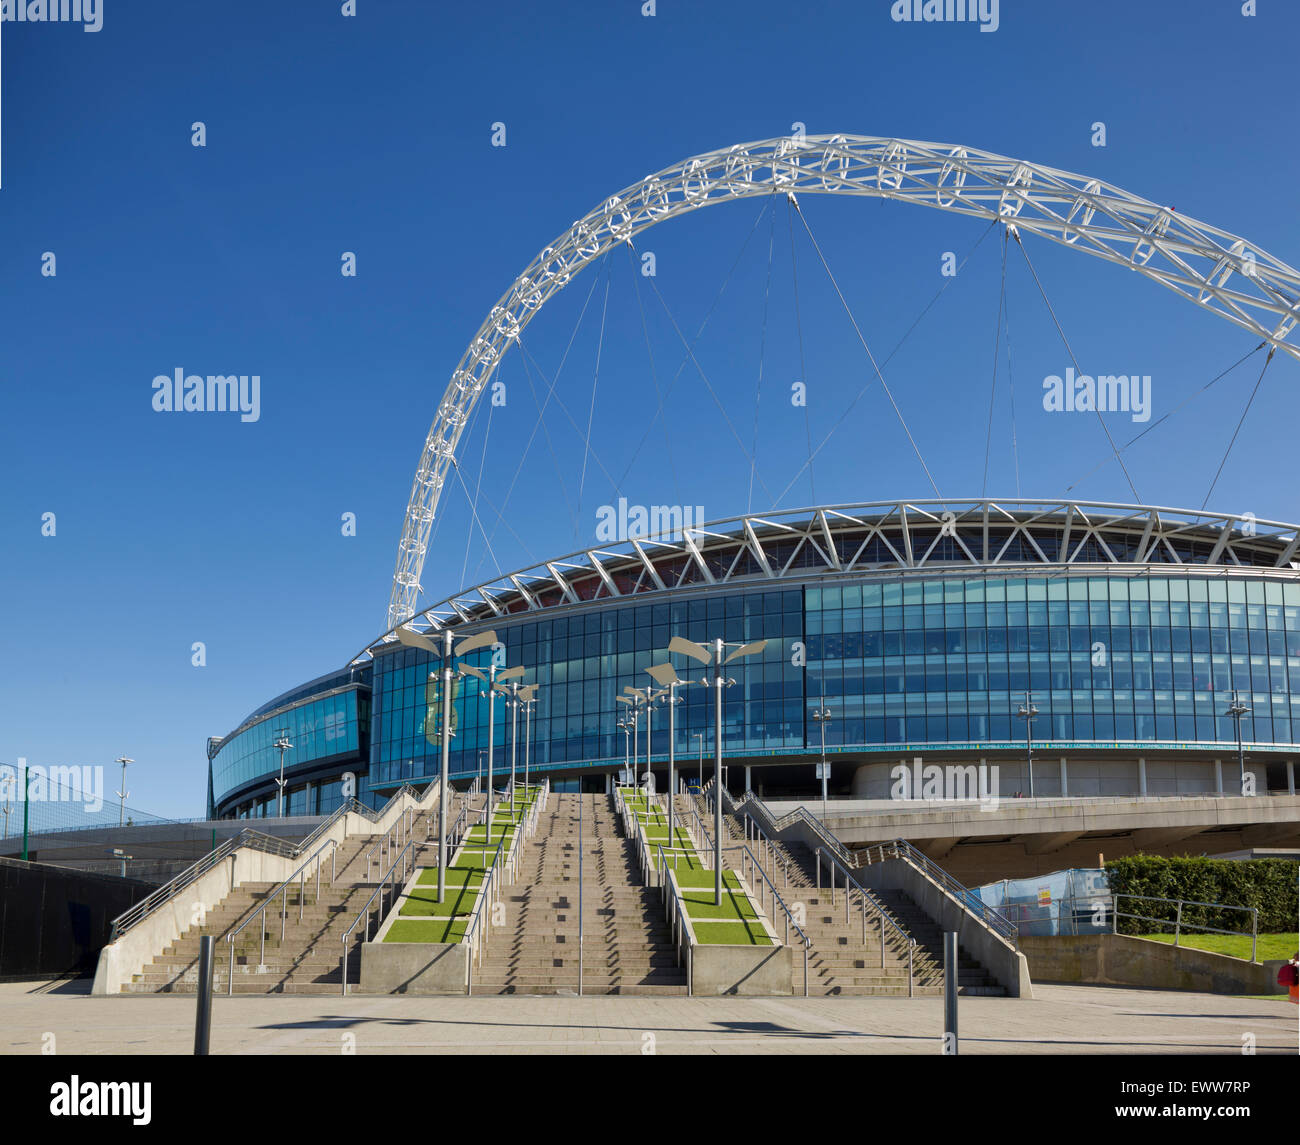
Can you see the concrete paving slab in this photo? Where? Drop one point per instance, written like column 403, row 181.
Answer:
column 1058, row 1020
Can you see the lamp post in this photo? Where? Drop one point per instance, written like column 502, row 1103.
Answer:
column 513, row 689
column 1027, row 713
column 447, row 651
column 490, row 677
column 715, row 655
column 530, row 698
column 124, row 760
column 665, row 675
column 625, row 725
column 1236, row 711
column 823, row 717
column 281, row 745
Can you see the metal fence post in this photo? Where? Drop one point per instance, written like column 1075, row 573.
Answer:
column 203, row 1015
column 950, row 992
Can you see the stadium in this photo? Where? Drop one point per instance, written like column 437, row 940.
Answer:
column 1089, row 650
column 919, row 627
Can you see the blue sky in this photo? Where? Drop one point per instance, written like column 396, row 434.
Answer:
column 372, row 134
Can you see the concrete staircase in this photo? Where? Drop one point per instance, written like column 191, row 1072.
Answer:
column 839, row 962
column 308, row 960
column 627, row 947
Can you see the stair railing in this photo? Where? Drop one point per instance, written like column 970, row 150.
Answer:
column 282, row 892
column 254, row 840
column 774, row 898
column 389, row 883
column 475, row 929
column 866, row 899
column 966, row 898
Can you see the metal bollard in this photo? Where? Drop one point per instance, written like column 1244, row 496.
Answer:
column 203, row 1015
column 950, row 992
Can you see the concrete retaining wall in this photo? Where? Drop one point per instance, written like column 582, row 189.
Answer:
column 756, row 970
column 1122, row 960
column 414, row 967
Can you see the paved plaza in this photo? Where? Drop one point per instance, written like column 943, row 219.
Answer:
column 1058, row 1020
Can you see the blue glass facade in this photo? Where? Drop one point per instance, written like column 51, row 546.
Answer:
column 1126, row 658
column 333, row 728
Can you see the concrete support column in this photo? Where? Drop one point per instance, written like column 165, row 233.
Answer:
column 747, row 786
column 1142, row 776
column 1290, row 777
column 1065, row 778
column 307, row 808
column 1218, row 776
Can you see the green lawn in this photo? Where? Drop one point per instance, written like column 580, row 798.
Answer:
column 688, row 880
column 735, row 905
column 730, row 933
column 1236, row 945
column 459, row 875
column 427, row 930
column 456, row 901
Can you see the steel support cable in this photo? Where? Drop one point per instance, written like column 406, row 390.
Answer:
column 897, row 346
column 700, row 332
column 591, row 411
column 997, row 348
column 524, row 356
column 690, row 352
column 1186, row 401
column 540, row 424
column 871, row 357
column 473, row 508
column 1011, row 390
column 478, row 484
column 660, row 413
column 1218, row 473
column 803, row 369
column 1077, row 369
column 762, row 357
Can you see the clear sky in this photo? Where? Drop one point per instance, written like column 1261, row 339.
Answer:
column 373, row 134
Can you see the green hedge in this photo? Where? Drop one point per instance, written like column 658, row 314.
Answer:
column 1267, row 884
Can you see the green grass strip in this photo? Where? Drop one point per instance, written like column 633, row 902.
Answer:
column 730, row 934
column 427, row 930
column 735, row 905
column 704, row 879
column 1235, row 945
column 455, row 901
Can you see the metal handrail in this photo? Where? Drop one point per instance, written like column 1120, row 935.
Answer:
column 474, row 932
column 866, row 897
column 365, row 910
column 680, row 922
column 385, row 843
column 282, row 892
column 967, row 898
column 755, row 865
column 248, row 837
column 1179, row 925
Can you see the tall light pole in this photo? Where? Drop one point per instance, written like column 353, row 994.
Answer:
column 665, row 675
column 637, row 698
column 490, row 677
column 1236, row 711
column 529, row 694
column 1027, row 713
column 513, row 689
column 625, row 725
column 715, row 655
column 823, row 717
column 281, row 745
column 124, row 760
column 447, row 652
column 700, row 736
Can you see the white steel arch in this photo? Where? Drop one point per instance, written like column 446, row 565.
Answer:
column 1210, row 267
